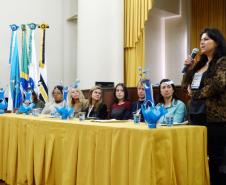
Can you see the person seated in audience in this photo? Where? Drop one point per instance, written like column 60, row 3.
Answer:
column 57, row 100
column 37, row 102
column 96, row 108
column 168, row 98
column 136, row 105
column 120, row 109
column 77, row 101
column 30, row 97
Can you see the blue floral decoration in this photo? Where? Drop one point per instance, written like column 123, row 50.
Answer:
column 65, row 112
column 26, row 109
column 152, row 113
column 3, row 103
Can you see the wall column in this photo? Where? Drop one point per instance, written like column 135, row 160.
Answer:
column 100, row 41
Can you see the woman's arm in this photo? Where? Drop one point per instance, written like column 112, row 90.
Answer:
column 215, row 85
column 180, row 112
column 126, row 114
column 46, row 109
column 102, row 113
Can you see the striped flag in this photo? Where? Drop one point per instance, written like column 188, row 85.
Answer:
column 24, row 60
column 15, row 95
column 43, row 89
column 33, row 68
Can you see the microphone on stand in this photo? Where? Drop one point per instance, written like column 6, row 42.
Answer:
column 193, row 54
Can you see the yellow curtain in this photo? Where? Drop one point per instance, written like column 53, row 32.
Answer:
column 135, row 13
column 207, row 13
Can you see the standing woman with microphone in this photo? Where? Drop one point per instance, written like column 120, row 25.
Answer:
column 206, row 82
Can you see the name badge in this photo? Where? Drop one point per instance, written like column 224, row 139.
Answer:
column 196, row 81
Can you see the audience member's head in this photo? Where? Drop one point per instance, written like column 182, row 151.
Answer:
column 167, row 90
column 140, row 91
column 57, row 93
column 75, row 95
column 120, row 93
column 95, row 95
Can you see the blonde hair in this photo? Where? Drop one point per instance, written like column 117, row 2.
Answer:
column 81, row 97
column 97, row 104
column 140, row 83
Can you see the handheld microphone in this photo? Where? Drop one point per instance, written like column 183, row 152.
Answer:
column 193, row 54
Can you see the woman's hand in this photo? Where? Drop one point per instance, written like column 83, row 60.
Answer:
column 189, row 90
column 189, row 62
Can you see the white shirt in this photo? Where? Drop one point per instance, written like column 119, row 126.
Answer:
column 50, row 107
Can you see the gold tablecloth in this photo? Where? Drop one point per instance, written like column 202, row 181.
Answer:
column 44, row 151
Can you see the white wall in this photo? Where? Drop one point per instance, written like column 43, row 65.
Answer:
column 58, row 53
column 70, row 42
column 98, row 53
column 154, row 53
column 167, row 41
column 100, row 41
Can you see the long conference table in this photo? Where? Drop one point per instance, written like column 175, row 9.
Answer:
column 47, row 151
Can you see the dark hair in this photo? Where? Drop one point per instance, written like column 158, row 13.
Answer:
column 34, row 96
column 220, row 50
column 160, row 98
column 59, row 87
column 125, row 92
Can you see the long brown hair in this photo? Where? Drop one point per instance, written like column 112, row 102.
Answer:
column 220, row 51
column 97, row 104
column 125, row 92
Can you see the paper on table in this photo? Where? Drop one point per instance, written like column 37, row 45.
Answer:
column 109, row 121
column 182, row 123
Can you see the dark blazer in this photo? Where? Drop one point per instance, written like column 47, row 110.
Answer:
column 100, row 113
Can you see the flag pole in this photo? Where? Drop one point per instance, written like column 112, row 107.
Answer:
column 15, row 96
column 33, row 68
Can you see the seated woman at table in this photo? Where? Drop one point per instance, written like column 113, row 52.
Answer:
column 77, row 101
column 136, row 105
column 96, row 108
column 120, row 109
column 57, row 100
column 33, row 98
column 168, row 98
column 39, row 104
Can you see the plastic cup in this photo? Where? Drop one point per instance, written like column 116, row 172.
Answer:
column 81, row 116
column 136, row 118
column 169, row 120
column 36, row 112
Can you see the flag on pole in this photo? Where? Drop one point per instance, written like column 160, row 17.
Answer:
column 24, row 60
column 33, row 68
column 43, row 89
column 15, row 95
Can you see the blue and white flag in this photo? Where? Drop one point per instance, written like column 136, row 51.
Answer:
column 15, row 95
column 33, row 67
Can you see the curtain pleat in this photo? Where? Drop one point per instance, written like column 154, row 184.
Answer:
column 206, row 13
column 135, row 13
